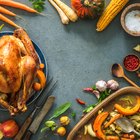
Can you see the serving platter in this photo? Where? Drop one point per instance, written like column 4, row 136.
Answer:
column 42, row 59
column 104, row 103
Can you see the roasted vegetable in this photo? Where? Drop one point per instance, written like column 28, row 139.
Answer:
column 97, row 125
column 128, row 111
column 37, row 86
column 88, row 8
column 90, row 130
column 114, row 7
column 41, row 77
column 113, row 119
column 41, row 66
column 112, row 138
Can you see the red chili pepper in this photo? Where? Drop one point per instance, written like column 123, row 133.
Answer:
column 81, row 102
column 89, row 89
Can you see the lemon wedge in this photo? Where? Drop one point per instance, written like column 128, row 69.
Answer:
column 137, row 48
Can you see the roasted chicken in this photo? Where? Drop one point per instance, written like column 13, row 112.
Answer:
column 18, row 66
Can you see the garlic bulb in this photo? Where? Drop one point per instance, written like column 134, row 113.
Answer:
column 112, row 84
column 101, row 85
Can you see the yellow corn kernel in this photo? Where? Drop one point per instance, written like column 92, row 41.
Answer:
column 114, row 7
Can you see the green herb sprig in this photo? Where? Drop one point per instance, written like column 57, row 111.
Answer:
column 50, row 124
column 38, row 5
column 103, row 95
column 60, row 110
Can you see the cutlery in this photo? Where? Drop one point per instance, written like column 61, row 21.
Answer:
column 126, row 125
column 36, row 122
column 37, row 106
column 118, row 71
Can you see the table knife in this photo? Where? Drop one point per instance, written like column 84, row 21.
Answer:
column 38, row 105
column 36, row 122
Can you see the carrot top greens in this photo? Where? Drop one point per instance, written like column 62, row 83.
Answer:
column 38, row 5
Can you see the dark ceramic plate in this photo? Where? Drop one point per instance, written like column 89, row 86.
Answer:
column 42, row 59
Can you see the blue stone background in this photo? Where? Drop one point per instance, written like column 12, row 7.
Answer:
column 77, row 57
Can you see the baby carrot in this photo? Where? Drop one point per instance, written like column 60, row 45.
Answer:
column 37, row 86
column 41, row 66
column 18, row 5
column 5, row 11
column 113, row 119
column 5, row 19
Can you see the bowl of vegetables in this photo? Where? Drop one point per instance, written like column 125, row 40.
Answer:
column 100, row 123
column 130, row 19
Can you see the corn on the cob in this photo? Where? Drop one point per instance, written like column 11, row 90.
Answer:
column 113, row 8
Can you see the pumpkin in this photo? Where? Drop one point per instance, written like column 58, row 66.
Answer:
column 88, row 8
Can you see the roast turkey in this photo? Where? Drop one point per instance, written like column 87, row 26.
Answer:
column 18, row 67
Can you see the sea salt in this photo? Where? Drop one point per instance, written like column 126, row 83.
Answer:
column 132, row 21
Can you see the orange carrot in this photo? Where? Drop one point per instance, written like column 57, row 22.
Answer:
column 130, row 136
column 41, row 77
column 18, row 5
column 125, row 135
column 125, row 139
column 41, row 66
column 5, row 19
column 37, row 86
column 5, row 11
column 112, row 138
column 113, row 119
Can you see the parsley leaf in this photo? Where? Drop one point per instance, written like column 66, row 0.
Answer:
column 38, row 5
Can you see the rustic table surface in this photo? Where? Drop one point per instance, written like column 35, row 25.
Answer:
column 77, row 57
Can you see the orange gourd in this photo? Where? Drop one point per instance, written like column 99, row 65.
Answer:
column 127, row 111
column 88, row 8
column 97, row 125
